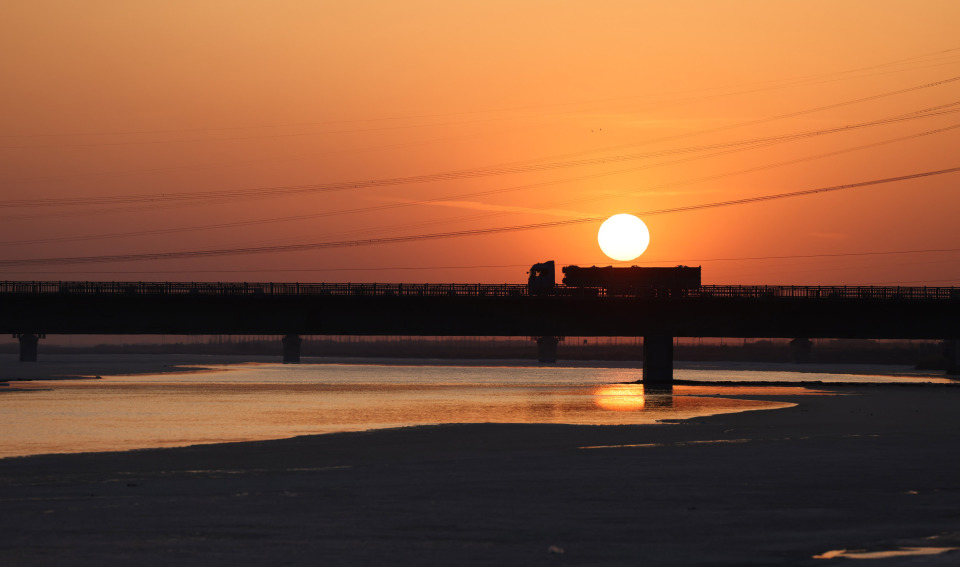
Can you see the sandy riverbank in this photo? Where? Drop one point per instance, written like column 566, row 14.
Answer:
column 78, row 366
column 874, row 468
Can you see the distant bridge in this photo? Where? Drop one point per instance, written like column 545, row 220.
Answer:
column 30, row 310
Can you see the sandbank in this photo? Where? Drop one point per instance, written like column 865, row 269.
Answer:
column 871, row 468
column 81, row 366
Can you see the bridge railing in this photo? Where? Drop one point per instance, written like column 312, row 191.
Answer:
column 259, row 288
column 761, row 292
column 828, row 292
column 473, row 290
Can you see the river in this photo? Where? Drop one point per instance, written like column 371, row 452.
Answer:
column 256, row 401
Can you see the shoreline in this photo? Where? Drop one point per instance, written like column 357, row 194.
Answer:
column 869, row 468
column 72, row 366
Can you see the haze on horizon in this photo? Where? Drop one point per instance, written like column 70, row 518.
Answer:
column 159, row 128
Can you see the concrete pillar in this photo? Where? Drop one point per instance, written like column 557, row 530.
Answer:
column 951, row 350
column 28, row 346
column 547, row 348
column 800, row 350
column 657, row 359
column 659, row 395
column 291, row 349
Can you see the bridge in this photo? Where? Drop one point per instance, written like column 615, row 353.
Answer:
column 30, row 310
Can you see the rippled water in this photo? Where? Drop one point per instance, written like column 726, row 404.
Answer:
column 241, row 402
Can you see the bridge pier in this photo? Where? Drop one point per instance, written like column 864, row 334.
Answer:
column 952, row 352
column 291, row 349
column 800, row 350
column 658, row 359
column 547, row 348
column 28, row 345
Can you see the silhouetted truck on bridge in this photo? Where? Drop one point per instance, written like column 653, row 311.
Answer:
column 611, row 280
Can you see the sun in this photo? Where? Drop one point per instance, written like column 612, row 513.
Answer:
column 623, row 237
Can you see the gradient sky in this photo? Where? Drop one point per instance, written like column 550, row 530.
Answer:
column 162, row 127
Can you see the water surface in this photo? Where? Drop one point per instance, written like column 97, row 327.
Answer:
column 254, row 401
column 245, row 402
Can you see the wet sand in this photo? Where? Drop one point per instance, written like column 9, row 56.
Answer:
column 84, row 366
column 873, row 468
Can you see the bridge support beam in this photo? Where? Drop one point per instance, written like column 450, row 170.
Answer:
column 547, row 348
column 658, row 359
column 28, row 346
column 291, row 349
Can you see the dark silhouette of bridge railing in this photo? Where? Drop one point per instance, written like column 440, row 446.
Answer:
column 474, row 290
column 257, row 288
column 828, row 292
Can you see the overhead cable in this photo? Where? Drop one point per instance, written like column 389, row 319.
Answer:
column 450, row 234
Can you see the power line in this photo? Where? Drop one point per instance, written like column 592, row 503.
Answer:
column 450, row 234
column 758, row 168
column 525, row 265
column 809, row 256
column 390, row 206
column 768, row 119
column 954, row 280
column 775, row 84
column 263, row 192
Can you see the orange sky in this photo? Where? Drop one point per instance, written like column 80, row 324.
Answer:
column 560, row 109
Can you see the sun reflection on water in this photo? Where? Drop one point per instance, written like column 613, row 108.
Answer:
column 620, row 397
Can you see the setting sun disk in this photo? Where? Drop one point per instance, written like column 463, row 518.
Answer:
column 623, row 237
